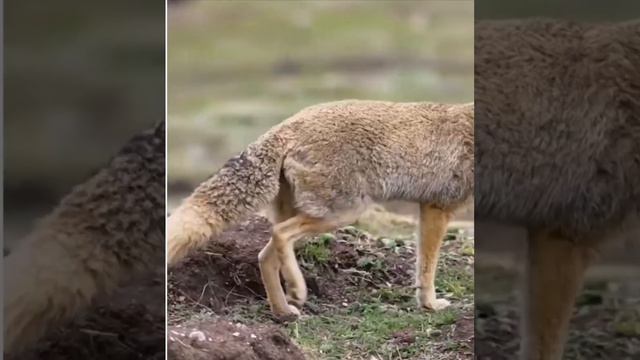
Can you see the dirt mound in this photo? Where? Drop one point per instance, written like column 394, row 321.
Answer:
column 225, row 272
column 127, row 326
column 223, row 340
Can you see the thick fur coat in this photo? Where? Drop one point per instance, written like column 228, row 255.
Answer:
column 558, row 124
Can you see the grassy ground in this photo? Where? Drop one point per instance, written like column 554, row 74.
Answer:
column 383, row 323
column 377, row 315
column 362, row 303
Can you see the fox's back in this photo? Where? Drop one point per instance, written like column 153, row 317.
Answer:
column 384, row 150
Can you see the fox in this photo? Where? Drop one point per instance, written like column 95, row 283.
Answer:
column 106, row 229
column 557, row 150
column 320, row 169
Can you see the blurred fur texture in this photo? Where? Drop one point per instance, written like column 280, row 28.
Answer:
column 99, row 234
column 321, row 168
column 557, row 151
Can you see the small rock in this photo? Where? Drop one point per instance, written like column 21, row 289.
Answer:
column 197, row 335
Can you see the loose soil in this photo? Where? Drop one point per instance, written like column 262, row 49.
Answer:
column 217, row 339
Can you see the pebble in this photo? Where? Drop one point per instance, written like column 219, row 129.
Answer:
column 197, row 335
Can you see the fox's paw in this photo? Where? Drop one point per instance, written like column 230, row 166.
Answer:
column 296, row 298
column 290, row 314
column 297, row 303
column 434, row 305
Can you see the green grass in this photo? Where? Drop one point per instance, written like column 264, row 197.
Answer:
column 316, row 252
column 384, row 322
column 369, row 328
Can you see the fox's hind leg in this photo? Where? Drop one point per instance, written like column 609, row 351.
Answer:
column 433, row 226
column 279, row 251
column 554, row 275
column 283, row 209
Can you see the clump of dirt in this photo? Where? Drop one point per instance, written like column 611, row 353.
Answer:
column 464, row 330
column 129, row 325
column 217, row 339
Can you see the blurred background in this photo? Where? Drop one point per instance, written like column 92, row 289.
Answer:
column 80, row 79
column 237, row 68
column 578, row 10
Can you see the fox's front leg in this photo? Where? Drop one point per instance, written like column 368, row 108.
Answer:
column 554, row 275
column 433, row 226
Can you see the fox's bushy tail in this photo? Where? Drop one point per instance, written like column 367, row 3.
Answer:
column 244, row 184
column 45, row 284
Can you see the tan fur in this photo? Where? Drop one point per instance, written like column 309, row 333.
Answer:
column 433, row 226
column 103, row 231
column 557, row 151
column 321, row 168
